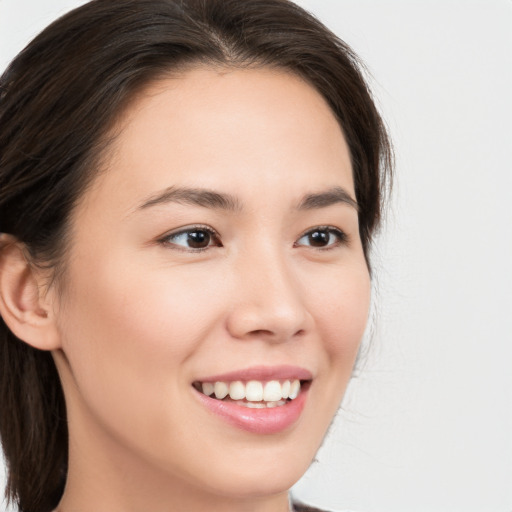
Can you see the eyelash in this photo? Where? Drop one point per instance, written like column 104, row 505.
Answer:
column 342, row 238
column 191, row 229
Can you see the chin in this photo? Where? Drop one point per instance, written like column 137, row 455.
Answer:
column 262, row 482
column 251, row 476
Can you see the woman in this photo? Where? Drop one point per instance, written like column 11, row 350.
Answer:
column 189, row 191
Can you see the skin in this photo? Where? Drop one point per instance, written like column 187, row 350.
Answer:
column 140, row 318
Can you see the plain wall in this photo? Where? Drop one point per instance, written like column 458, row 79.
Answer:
column 427, row 422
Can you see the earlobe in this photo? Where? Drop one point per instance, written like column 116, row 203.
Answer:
column 24, row 308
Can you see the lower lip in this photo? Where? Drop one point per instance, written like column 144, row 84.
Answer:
column 258, row 421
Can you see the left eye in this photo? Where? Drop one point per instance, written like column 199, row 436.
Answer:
column 322, row 238
column 193, row 238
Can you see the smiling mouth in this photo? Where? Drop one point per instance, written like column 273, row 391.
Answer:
column 254, row 394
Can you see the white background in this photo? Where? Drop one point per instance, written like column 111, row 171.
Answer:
column 427, row 422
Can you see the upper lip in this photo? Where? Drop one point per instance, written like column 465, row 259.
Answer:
column 262, row 373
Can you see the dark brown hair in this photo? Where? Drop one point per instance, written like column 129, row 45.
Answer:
column 58, row 100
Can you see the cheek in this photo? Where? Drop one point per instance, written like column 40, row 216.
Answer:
column 127, row 305
column 339, row 300
column 342, row 312
column 128, row 332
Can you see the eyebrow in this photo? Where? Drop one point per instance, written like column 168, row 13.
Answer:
column 329, row 197
column 221, row 201
column 194, row 197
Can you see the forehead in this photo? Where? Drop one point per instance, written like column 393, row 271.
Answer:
column 240, row 128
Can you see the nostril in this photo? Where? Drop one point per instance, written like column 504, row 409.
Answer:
column 261, row 332
column 272, row 335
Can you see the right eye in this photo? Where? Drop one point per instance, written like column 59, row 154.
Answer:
column 193, row 239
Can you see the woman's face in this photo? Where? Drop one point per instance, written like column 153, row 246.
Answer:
column 220, row 244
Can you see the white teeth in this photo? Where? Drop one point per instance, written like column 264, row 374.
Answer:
column 285, row 389
column 237, row 390
column 208, row 388
column 272, row 391
column 254, row 391
column 294, row 389
column 221, row 390
column 260, row 405
column 253, row 405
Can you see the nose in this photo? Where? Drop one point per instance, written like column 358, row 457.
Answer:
column 267, row 301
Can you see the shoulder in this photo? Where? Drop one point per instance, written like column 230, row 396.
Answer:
column 300, row 507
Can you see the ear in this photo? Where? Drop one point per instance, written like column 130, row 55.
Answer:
column 25, row 304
